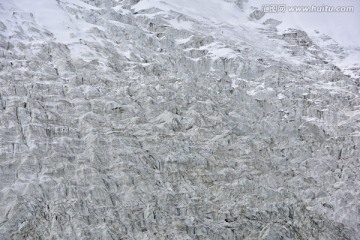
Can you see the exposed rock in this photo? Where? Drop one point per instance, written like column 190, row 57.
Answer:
column 257, row 14
column 272, row 22
column 298, row 37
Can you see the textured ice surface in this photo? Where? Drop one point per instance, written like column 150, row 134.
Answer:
column 174, row 120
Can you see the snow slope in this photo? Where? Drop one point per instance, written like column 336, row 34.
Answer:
column 340, row 26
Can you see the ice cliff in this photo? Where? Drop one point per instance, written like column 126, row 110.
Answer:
column 179, row 119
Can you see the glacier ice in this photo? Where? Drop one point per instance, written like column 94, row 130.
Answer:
column 125, row 119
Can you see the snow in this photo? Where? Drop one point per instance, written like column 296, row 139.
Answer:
column 49, row 15
column 80, row 4
column 350, row 62
column 178, row 24
column 223, row 20
column 184, row 40
column 212, row 10
column 340, row 26
column 172, row 107
column 218, row 50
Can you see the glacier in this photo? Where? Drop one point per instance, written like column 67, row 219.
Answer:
column 150, row 119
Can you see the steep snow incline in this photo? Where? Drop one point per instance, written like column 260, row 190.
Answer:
column 342, row 27
column 220, row 19
column 226, row 20
column 218, row 12
column 50, row 16
column 127, row 119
